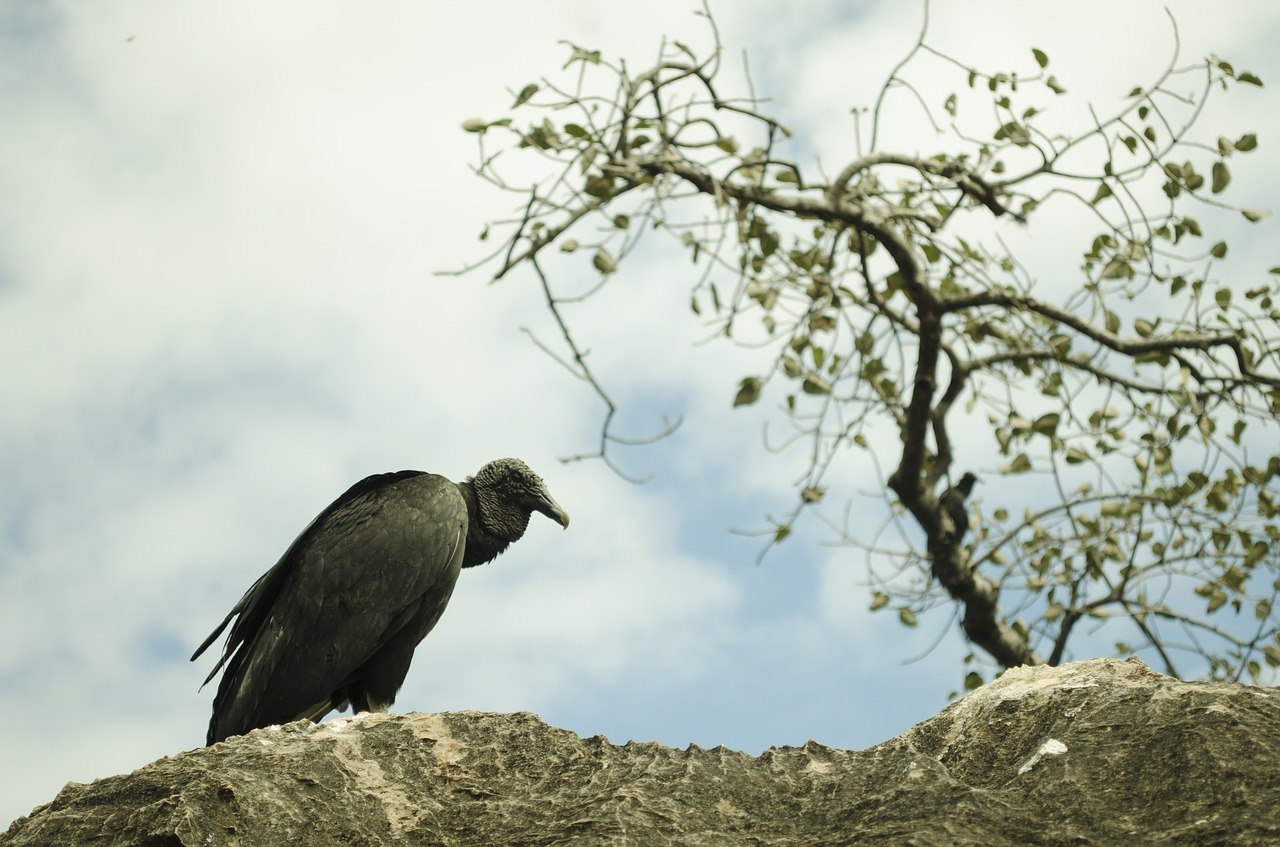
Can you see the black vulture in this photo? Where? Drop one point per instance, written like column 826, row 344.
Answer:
column 336, row 620
column 953, row 503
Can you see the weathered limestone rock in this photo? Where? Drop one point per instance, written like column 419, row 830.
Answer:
column 1100, row 752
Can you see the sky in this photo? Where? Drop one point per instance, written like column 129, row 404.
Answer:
column 221, row 232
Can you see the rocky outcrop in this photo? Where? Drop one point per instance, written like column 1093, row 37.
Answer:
column 1095, row 753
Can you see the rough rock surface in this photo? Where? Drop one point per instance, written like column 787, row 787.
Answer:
column 1096, row 753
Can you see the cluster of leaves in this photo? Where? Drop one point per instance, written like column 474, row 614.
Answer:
column 875, row 316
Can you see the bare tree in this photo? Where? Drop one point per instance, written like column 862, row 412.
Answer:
column 874, row 307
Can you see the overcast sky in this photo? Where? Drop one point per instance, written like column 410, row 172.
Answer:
column 219, row 225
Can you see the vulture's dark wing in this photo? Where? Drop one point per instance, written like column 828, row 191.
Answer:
column 255, row 603
column 353, row 578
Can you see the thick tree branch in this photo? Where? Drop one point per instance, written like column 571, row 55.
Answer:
column 971, row 184
column 1129, row 347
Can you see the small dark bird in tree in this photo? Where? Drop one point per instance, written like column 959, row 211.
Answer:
column 953, row 503
column 336, row 621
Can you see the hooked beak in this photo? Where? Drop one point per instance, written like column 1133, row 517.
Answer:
column 549, row 507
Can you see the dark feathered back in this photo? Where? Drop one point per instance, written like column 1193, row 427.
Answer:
column 251, row 611
column 252, row 608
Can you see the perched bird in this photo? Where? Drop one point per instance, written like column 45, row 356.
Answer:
column 953, row 503
column 336, row 621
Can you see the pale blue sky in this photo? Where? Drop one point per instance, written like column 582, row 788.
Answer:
column 219, row 225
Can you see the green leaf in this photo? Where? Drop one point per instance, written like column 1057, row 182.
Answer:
column 1117, row 269
column 781, row 534
column 1076, row 456
column 1020, row 464
column 821, row 322
column 475, row 125
column 1219, row 250
column 604, row 262
column 769, row 241
column 1254, row 215
column 568, row 245
column 728, row 144
column 1053, row 85
column 814, row 384
column 1047, row 424
column 590, row 57
column 1221, row 176
column 599, row 186
column 1222, row 297
column 1249, row 78
column 1041, row 59
column 748, row 391
column 1104, row 191
column 1014, row 132
column 812, row 494
column 1247, row 142
column 879, row 600
column 524, row 95
column 972, row 681
column 907, row 617
column 543, row 137
column 1206, row 427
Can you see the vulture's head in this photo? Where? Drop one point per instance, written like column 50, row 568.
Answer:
column 965, row 485
column 507, row 493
